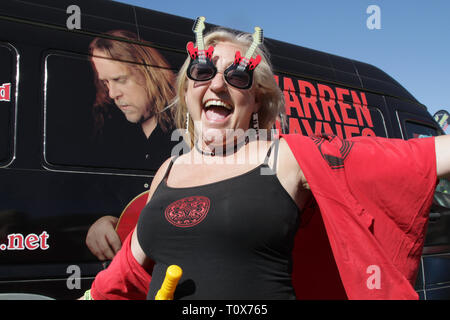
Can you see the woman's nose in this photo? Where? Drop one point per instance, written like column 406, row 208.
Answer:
column 218, row 82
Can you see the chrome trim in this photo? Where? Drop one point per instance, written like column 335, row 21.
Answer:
column 16, row 96
column 441, row 250
column 99, row 173
column 400, row 124
column 378, row 110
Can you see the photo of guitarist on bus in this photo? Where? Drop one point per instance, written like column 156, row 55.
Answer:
column 138, row 81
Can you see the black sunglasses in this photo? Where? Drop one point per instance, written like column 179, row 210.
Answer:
column 235, row 75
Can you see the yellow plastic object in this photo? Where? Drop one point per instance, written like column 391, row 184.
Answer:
column 173, row 275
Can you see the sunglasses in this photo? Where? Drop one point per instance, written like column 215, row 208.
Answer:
column 201, row 67
column 235, row 75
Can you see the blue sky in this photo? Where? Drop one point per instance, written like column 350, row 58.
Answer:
column 413, row 44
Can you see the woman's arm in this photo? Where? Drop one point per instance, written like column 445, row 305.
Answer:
column 442, row 145
column 138, row 253
column 291, row 175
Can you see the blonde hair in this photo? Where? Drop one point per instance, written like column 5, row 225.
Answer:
column 265, row 87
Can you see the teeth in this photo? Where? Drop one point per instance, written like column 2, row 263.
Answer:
column 210, row 103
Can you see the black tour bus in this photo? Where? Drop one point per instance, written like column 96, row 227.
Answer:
column 54, row 183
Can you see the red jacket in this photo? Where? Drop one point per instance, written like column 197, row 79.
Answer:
column 374, row 196
column 362, row 235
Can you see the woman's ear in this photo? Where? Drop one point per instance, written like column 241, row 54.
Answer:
column 257, row 104
column 185, row 96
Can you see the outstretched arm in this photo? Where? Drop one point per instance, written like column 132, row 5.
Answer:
column 443, row 156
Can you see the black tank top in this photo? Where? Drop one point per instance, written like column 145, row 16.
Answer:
column 232, row 238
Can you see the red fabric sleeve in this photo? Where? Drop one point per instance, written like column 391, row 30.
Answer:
column 124, row 279
column 374, row 196
column 397, row 190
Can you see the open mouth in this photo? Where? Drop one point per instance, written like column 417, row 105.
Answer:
column 217, row 110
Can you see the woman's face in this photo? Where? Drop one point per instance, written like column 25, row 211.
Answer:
column 215, row 105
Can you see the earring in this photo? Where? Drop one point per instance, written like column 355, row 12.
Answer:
column 187, row 123
column 255, row 122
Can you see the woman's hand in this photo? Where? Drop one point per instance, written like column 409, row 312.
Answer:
column 102, row 238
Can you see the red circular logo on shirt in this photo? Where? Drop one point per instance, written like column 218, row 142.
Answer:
column 187, row 212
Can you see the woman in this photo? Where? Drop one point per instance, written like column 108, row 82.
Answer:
column 231, row 226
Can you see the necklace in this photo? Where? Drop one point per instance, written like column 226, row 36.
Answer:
column 226, row 148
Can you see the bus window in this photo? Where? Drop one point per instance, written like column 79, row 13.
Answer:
column 416, row 130
column 379, row 124
column 443, row 186
column 82, row 133
column 8, row 65
column 69, row 95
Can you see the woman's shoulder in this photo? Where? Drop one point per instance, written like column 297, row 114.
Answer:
column 285, row 151
column 288, row 166
column 159, row 176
